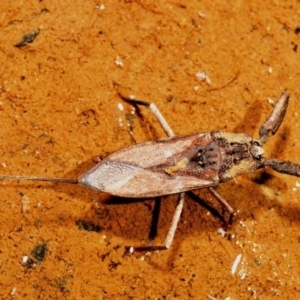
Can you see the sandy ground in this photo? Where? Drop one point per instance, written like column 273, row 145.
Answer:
column 60, row 110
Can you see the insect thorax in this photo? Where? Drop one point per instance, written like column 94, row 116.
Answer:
column 236, row 150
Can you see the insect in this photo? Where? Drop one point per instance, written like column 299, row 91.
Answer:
column 178, row 164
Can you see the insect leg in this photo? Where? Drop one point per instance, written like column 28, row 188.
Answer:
column 164, row 124
column 223, row 202
column 176, row 217
column 171, row 232
column 270, row 126
column 155, row 218
column 161, row 120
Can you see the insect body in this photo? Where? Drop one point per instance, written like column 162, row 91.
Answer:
column 175, row 165
column 179, row 164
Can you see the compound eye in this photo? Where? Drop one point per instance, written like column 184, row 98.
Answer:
column 256, row 150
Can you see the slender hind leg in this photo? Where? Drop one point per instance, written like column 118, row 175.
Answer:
column 224, row 203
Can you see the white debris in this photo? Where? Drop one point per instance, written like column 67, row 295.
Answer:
column 25, row 201
column 13, row 292
column 120, row 106
column 201, row 14
column 100, row 6
column 296, row 187
column 120, row 122
column 236, row 263
column 242, row 224
column 25, row 259
column 202, row 76
column 119, row 62
column 221, row 231
column 132, row 112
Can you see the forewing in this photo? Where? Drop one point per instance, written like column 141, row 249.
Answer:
column 142, row 170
